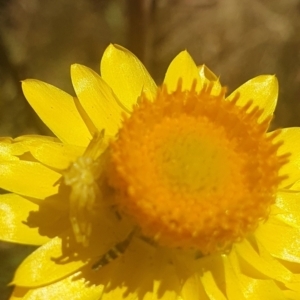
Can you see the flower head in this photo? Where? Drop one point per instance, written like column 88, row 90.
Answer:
column 171, row 192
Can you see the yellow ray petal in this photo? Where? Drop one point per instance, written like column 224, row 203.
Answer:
column 295, row 186
column 28, row 178
column 253, row 288
column 294, row 286
column 212, row 290
column 291, row 295
column 288, row 201
column 9, row 150
column 97, row 98
column 14, row 211
column 233, row 290
column 290, row 275
column 157, row 280
column 119, row 292
column 167, row 287
column 182, row 66
column 207, row 76
column 53, row 154
column 258, row 289
column 263, row 90
column 58, row 111
column 85, row 117
column 193, row 288
column 62, row 256
column 281, row 240
column 40, row 268
column 68, row 288
column 289, row 204
column 126, row 75
column 139, row 253
column 256, row 264
column 291, row 144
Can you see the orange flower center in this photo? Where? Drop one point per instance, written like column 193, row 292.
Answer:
column 194, row 170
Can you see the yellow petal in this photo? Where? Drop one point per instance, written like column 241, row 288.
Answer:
column 53, row 154
column 126, row 75
column 58, row 111
column 294, row 286
column 291, row 295
column 253, row 288
column 295, row 186
column 97, row 99
column 233, row 290
column 119, row 292
column 258, row 289
column 116, row 288
column 40, row 268
column 62, row 256
column 28, row 178
column 182, row 66
column 281, row 240
column 69, row 288
column 14, row 211
column 291, row 139
column 207, row 74
column 210, row 286
column 9, row 150
column 166, row 288
column 207, row 77
column 290, row 274
column 289, row 204
column 263, row 90
column 139, row 253
column 213, row 276
column 193, row 288
column 256, row 264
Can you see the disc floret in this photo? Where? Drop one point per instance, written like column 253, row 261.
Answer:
column 195, row 170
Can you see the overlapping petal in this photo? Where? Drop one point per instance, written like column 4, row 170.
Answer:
column 210, row 286
column 254, row 287
column 58, row 111
column 193, row 287
column 232, row 274
column 287, row 247
column 126, row 75
column 257, row 289
column 28, row 178
column 97, row 98
column 254, row 264
column 49, row 152
column 184, row 68
column 208, row 77
column 10, row 151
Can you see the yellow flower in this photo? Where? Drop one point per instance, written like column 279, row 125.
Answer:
column 172, row 192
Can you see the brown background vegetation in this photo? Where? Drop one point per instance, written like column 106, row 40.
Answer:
column 237, row 39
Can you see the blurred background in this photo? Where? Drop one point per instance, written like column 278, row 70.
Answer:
column 237, row 39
